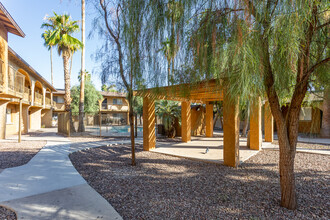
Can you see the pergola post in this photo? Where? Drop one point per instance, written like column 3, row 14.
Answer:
column 149, row 134
column 255, row 125
column 185, row 121
column 209, row 119
column 230, row 132
column 269, row 124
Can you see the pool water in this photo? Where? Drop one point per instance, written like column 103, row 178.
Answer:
column 123, row 129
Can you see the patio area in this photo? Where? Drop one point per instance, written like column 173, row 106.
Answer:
column 196, row 149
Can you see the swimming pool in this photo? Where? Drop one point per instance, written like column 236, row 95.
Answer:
column 123, row 129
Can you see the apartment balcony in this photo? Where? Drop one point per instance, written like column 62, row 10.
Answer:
column 27, row 95
column 15, row 83
column 48, row 102
column 116, row 108
column 104, row 106
column 54, row 104
column 38, row 99
column 1, row 81
column 2, row 87
column 59, row 106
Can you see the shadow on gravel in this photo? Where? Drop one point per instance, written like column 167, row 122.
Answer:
column 164, row 187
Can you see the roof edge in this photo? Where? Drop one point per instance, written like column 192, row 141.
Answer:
column 11, row 19
column 32, row 69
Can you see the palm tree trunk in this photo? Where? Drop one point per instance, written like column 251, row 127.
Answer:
column 51, row 65
column 246, row 121
column 67, row 97
column 81, row 127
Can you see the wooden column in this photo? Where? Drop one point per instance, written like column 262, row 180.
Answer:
column 209, row 119
column 149, row 133
column 20, row 121
column 269, row 124
column 255, row 125
column 185, row 121
column 230, row 132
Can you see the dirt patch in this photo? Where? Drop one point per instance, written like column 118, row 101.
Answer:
column 13, row 154
column 165, row 187
column 7, row 214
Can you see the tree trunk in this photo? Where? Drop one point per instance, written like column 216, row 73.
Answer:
column 286, row 165
column 325, row 129
column 246, row 122
column 81, row 127
column 215, row 119
column 168, row 72
column 67, row 97
column 51, row 65
column 131, row 122
column 136, row 130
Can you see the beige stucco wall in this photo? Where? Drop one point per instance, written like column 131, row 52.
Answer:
column 35, row 118
column 3, row 106
column 12, row 128
column 46, row 118
column 4, row 53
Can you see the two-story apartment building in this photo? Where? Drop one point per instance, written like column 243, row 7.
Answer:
column 25, row 95
column 114, row 108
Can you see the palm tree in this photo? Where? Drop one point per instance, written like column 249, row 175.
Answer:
column 61, row 28
column 81, row 127
column 49, row 46
column 169, row 111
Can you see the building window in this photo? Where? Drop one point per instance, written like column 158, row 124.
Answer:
column 117, row 101
column 58, row 99
column 305, row 114
column 8, row 116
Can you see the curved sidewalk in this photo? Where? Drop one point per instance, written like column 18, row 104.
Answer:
column 49, row 187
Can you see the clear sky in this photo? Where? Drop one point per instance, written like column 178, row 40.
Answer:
column 29, row 15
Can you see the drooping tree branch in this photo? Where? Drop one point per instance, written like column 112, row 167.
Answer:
column 322, row 25
column 312, row 69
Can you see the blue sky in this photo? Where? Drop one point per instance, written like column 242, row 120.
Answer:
column 29, row 15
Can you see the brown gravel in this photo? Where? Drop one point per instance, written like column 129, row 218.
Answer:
column 309, row 146
column 7, row 214
column 13, row 154
column 165, row 187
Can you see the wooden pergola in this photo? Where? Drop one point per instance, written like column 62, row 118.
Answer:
column 206, row 92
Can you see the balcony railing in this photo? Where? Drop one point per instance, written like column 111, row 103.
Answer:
column 27, row 94
column 119, row 108
column 37, row 99
column 15, row 83
column 48, row 101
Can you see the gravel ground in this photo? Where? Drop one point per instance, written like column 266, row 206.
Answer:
column 309, row 146
column 13, row 154
column 7, row 214
column 165, row 187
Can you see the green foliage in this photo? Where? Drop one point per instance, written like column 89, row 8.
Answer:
column 138, row 105
column 60, row 28
column 91, row 98
column 169, row 111
column 110, row 88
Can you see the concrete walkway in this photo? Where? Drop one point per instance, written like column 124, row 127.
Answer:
column 49, row 187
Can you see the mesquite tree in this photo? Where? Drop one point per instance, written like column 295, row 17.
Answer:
column 120, row 26
column 271, row 48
